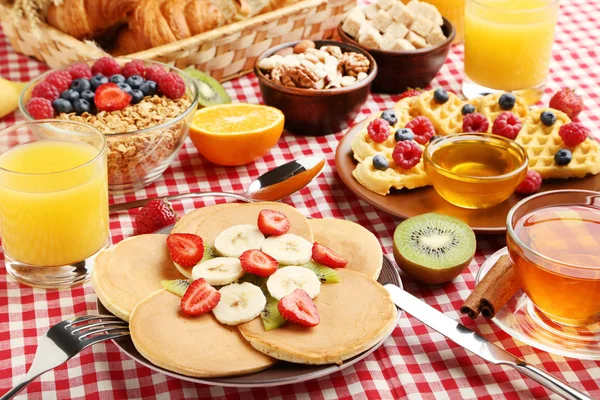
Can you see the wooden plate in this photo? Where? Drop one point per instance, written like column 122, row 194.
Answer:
column 408, row 203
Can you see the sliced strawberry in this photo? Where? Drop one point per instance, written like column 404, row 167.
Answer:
column 258, row 263
column 186, row 249
column 327, row 257
column 273, row 223
column 110, row 97
column 199, row 298
column 298, row 307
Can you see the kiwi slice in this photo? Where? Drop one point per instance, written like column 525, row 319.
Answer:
column 256, row 280
column 433, row 248
column 271, row 318
column 209, row 253
column 325, row 274
column 210, row 92
column 177, row 286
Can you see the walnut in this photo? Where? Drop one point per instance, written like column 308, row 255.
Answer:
column 298, row 76
column 333, row 50
column 353, row 64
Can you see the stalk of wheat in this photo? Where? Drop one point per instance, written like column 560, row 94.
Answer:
column 33, row 11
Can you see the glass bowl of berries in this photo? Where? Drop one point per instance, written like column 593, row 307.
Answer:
column 144, row 108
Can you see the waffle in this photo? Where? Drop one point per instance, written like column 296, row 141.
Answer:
column 446, row 118
column 489, row 107
column 542, row 142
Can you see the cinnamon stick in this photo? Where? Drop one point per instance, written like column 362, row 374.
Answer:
column 494, row 290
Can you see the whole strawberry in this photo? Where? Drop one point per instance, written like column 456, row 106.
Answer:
column 567, row 101
column 156, row 214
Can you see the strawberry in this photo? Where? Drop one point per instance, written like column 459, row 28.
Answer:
column 567, row 101
column 298, row 307
column 410, row 93
column 273, row 223
column 110, row 97
column 327, row 257
column 186, row 249
column 258, row 263
column 199, row 298
column 155, row 214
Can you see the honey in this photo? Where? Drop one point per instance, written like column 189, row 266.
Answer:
column 565, row 283
column 475, row 170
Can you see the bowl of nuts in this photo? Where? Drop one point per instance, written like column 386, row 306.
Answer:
column 319, row 85
column 410, row 42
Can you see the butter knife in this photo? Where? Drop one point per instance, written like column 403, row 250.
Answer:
column 477, row 344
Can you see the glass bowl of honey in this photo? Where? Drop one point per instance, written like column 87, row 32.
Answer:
column 475, row 170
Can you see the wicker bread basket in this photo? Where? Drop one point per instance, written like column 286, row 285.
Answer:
column 225, row 53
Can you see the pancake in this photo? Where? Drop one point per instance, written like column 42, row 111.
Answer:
column 353, row 242
column 209, row 222
column 128, row 272
column 355, row 315
column 194, row 346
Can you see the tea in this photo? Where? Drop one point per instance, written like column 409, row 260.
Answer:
column 464, row 165
column 565, row 283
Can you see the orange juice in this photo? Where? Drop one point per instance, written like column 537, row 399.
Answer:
column 53, row 202
column 565, row 282
column 508, row 43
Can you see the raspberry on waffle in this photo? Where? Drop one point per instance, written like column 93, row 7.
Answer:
column 490, row 108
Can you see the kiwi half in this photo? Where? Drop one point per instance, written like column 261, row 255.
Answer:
column 325, row 274
column 271, row 318
column 176, row 286
column 210, row 92
column 433, row 248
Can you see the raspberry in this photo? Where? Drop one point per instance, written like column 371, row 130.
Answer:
column 507, row 124
column 422, row 128
column 172, row 85
column 407, row 154
column 154, row 73
column 106, row 66
column 475, row 122
column 135, row 67
column 80, row 70
column 45, row 90
column 379, row 130
column 60, row 80
column 410, row 93
column 531, row 183
column 40, row 108
column 567, row 101
column 573, row 133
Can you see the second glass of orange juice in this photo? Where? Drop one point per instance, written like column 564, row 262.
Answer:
column 53, row 201
column 508, row 44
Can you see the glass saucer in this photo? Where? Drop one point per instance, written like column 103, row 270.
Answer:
column 521, row 319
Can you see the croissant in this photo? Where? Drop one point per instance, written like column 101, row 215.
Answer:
column 84, row 19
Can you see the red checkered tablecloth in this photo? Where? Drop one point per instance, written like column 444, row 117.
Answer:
column 414, row 363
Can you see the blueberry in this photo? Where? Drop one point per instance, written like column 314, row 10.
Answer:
column 467, row 109
column 379, row 162
column 404, row 134
column 563, row 157
column 548, row 118
column 62, row 106
column 87, row 95
column 135, row 81
column 390, row 116
column 80, row 106
column 440, row 96
column 98, row 80
column 124, row 87
column 136, row 96
column 149, row 88
column 118, row 78
column 80, row 85
column 70, row 95
column 507, row 101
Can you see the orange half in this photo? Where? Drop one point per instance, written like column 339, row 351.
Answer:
column 236, row 134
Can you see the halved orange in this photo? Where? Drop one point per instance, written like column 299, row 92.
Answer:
column 237, row 133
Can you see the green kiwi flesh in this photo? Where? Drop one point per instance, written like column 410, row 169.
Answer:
column 325, row 274
column 176, row 286
column 210, row 92
column 433, row 248
column 209, row 253
column 256, row 280
column 271, row 318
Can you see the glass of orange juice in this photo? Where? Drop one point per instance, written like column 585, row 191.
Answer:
column 508, row 45
column 53, row 201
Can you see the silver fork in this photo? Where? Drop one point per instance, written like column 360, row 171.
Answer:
column 65, row 340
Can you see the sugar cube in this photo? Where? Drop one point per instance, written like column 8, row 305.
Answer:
column 397, row 30
column 385, row 4
column 354, row 20
column 382, row 20
column 436, row 36
column 399, row 12
column 371, row 38
column 421, row 26
column 403, row 44
column 428, row 11
column 416, row 40
column 370, row 11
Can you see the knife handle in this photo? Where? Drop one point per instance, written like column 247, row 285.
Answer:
column 552, row 383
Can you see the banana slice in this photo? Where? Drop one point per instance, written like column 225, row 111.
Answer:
column 288, row 249
column 240, row 302
column 219, row 271
column 287, row 279
column 232, row 242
